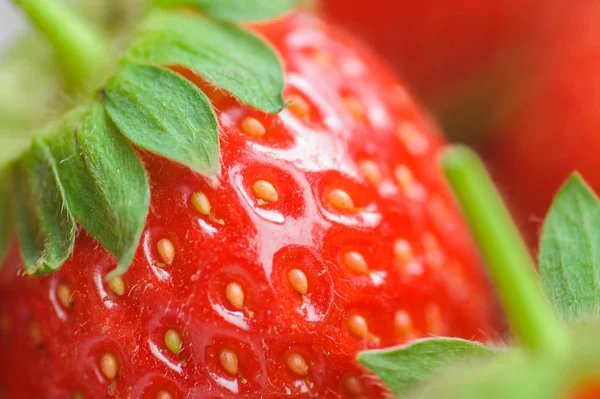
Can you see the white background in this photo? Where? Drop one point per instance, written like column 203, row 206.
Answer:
column 10, row 22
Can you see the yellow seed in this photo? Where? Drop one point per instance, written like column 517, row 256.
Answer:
column 35, row 332
column 235, row 295
column 166, row 251
column 164, row 395
column 407, row 182
column 323, row 58
column 297, row 364
column 200, row 202
column 355, row 107
column 403, row 324
column 265, row 191
column 253, row 128
column 358, row 326
column 298, row 106
column 353, row 386
column 298, row 280
column 229, row 361
column 403, row 251
column 64, row 295
column 341, row 200
column 173, row 341
column 355, row 262
column 117, row 285
column 109, row 365
column 371, row 172
column 433, row 318
column 414, row 141
column 78, row 395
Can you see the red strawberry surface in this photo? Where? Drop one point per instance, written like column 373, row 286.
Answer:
column 552, row 125
column 330, row 230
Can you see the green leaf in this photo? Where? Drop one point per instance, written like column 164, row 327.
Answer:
column 6, row 211
column 569, row 255
column 105, row 183
column 45, row 227
column 236, row 10
column 164, row 113
column 405, row 368
column 514, row 375
column 226, row 55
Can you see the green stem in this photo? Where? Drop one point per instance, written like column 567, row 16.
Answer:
column 82, row 51
column 511, row 267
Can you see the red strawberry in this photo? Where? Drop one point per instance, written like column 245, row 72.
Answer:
column 329, row 230
column 551, row 127
column 456, row 55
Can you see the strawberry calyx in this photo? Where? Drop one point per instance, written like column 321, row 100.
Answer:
column 557, row 348
column 82, row 169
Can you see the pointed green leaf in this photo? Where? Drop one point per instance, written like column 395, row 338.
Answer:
column 236, row 10
column 405, row 368
column 570, row 251
column 45, row 227
column 6, row 211
column 164, row 113
column 105, row 183
column 226, row 55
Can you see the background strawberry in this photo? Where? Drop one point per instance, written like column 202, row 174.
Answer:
column 328, row 230
column 457, row 56
column 548, row 127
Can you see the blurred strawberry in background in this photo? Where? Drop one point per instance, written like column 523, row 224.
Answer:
column 456, row 55
column 551, row 125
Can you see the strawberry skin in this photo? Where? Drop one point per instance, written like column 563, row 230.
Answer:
column 330, row 230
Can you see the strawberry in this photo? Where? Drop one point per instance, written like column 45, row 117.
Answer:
column 457, row 56
column 309, row 235
column 550, row 127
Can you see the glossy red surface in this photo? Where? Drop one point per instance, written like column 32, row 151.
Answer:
column 435, row 286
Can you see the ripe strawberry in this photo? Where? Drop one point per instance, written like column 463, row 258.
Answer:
column 457, row 56
column 551, row 128
column 329, row 230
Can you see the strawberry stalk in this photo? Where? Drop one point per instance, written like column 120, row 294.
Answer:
column 511, row 267
column 81, row 50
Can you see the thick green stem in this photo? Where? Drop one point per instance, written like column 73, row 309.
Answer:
column 82, row 51
column 511, row 267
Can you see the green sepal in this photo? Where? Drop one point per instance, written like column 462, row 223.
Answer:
column 45, row 227
column 228, row 56
column 404, row 369
column 164, row 113
column 105, row 184
column 6, row 211
column 569, row 255
column 236, row 10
